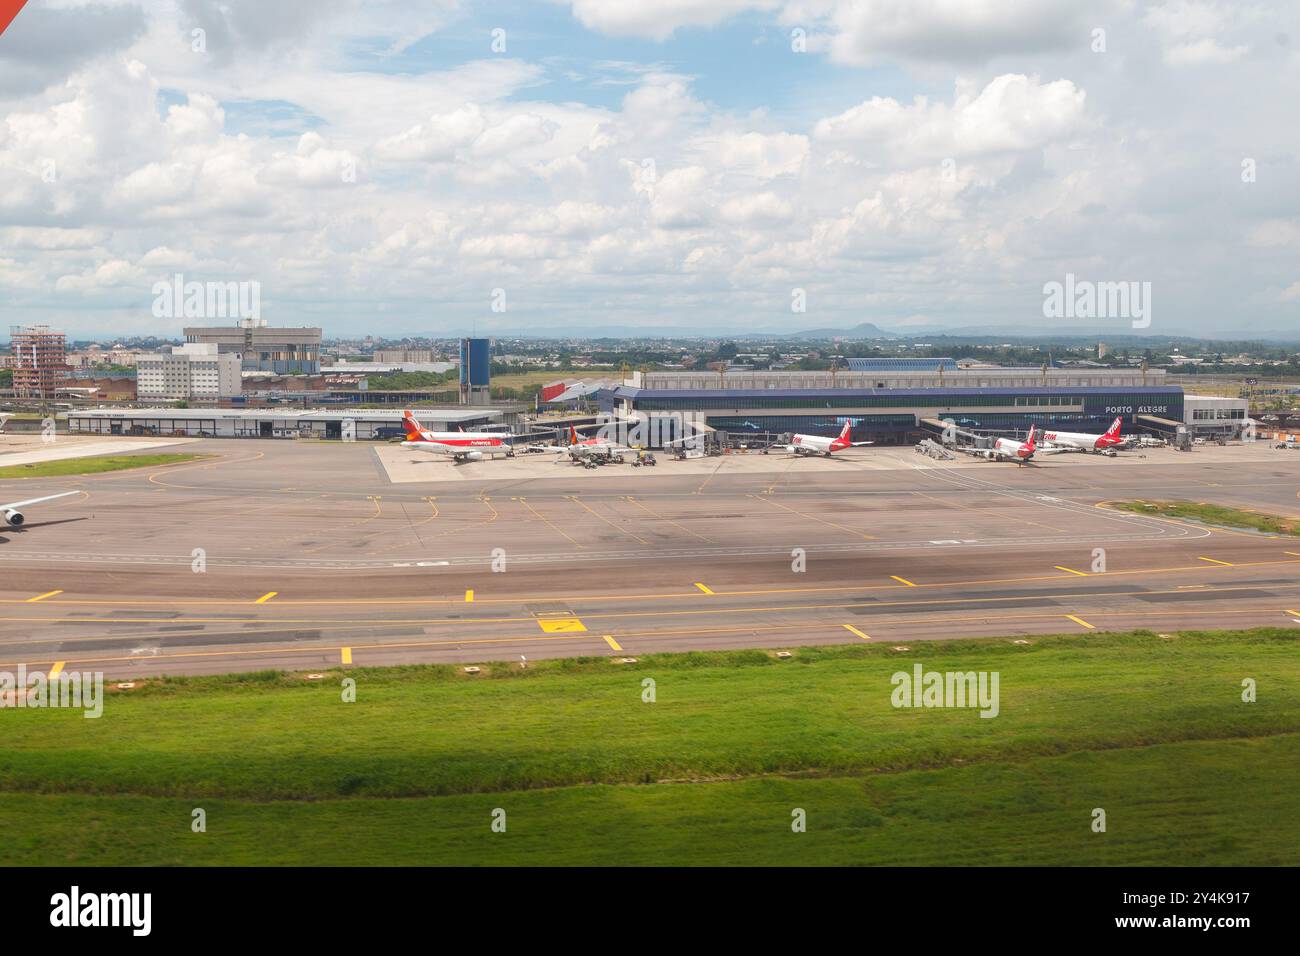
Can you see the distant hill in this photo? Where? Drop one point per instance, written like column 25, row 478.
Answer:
column 865, row 330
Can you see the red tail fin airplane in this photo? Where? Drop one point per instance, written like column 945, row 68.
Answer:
column 462, row 446
column 1008, row 449
column 1085, row 442
column 819, row 445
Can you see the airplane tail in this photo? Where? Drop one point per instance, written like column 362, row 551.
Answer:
column 573, row 435
column 845, row 431
column 1033, row 434
column 1113, row 431
column 413, row 430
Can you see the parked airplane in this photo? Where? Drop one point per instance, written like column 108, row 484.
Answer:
column 15, row 518
column 1007, row 449
column 580, row 447
column 461, row 446
column 3, row 419
column 818, row 445
column 1085, row 442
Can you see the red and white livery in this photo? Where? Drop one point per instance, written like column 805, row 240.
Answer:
column 1083, row 442
column 819, row 445
column 1008, row 449
column 461, row 446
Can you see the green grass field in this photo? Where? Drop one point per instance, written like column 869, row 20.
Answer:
column 1152, row 730
column 91, row 466
column 1212, row 514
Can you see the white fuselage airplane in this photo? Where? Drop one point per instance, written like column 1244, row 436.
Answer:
column 1008, row 449
column 579, row 447
column 15, row 518
column 818, row 445
column 1085, row 442
column 461, row 446
column 3, row 419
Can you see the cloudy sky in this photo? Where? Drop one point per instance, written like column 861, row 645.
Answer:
column 398, row 167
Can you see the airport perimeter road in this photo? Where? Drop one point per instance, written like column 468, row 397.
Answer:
column 281, row 555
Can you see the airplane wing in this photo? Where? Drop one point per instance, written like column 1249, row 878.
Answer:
column 35, row 501
column 859, row 444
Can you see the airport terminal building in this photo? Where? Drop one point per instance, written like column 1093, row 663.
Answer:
column 338, row 424
column 893, row 403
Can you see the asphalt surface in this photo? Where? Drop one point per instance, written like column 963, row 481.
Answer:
column 306, row 556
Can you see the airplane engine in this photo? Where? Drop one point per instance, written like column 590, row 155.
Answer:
column 475, row 456
column 14, row 519
column 791, row 449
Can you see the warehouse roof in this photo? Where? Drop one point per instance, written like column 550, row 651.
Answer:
column 632, row 392
column 371, row 414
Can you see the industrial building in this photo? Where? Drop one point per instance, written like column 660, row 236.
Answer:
column 40, row 361
column 364, row 424
column 261, row 348
column 195, row 371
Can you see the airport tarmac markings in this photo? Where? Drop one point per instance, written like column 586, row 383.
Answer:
column 1081, row 621
column 704, row 588
column 1061, row 567
column 42, row 597
column 904, row 581
column 460, row 642
column 1226, row 564
column 57, row 668
column 568, row 621
column 810, row 517
column 549, row 523
column 266, row 597
column 631, row 499
column 345, row 655
column 560, row 625
column 853, row 630
column 469, row 596
column 613, row 644
column 612, row 524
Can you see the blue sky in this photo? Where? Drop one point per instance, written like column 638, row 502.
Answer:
column 377, row 167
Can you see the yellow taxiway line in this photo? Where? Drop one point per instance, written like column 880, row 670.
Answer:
column 663, row 633
column 611, row 642
column 42, row 597
column 266, row 597
column 1079, row 620
column 712, row 609
column 853, row 630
